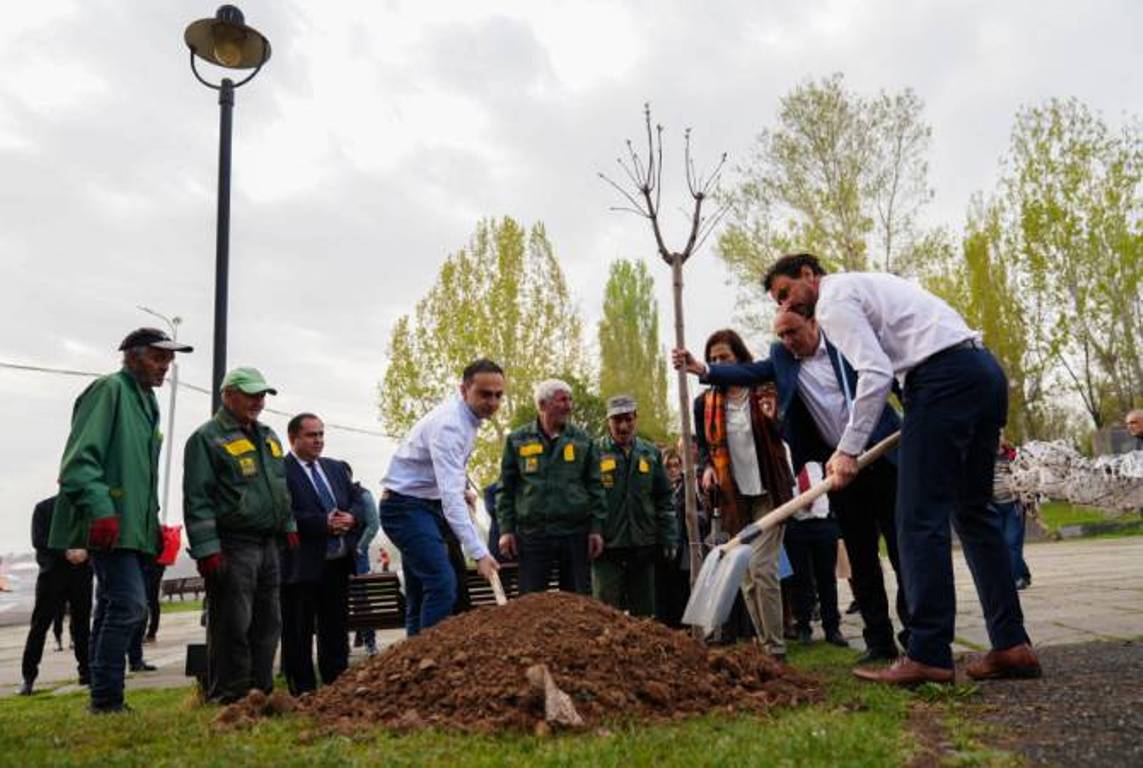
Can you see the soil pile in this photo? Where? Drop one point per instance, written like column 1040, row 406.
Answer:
column 484, row 671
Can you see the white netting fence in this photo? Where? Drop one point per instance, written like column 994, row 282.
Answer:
column 1058, row 471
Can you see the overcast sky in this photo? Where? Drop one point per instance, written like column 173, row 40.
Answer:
column 380, row 132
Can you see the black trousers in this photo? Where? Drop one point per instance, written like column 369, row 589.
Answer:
column 321, row 608
column 244, row 620
column 811, row 546
column 956, row 401
column 154, row 576
column 567, row 553
column 672, row 591
column 63, row 583
column 865, row 512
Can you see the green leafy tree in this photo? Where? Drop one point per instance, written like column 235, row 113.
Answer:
column 631, row 360
column 504, row 297
column 840, row 175
column 1073, row 199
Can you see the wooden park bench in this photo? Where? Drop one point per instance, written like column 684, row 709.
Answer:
column 376, row 602
column 189, row 585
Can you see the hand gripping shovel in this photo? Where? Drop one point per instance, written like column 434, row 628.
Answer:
column 720, row 577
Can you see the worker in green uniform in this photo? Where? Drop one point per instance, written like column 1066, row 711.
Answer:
column 108, row 501
column 640, row 517
column 237, row 510
column 551, row 508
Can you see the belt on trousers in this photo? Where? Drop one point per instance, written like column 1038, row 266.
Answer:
column 387, row 494
column 966, row 344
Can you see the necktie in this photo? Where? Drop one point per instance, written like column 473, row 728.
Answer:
column 335, row 546
column 323, row 491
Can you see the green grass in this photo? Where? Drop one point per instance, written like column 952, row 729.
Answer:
column 179, row 606
column 856, row 724
column 1056, row 514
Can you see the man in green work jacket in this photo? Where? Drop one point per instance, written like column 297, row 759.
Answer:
column 108, row 501
column 551, row 508
column 640, row 516
column 236, row 509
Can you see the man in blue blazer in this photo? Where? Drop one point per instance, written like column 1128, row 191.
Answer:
column 815, row 395
column 315, row 576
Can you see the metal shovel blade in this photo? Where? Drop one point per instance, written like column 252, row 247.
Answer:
column 718, row 582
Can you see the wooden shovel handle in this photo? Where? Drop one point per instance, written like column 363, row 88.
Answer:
column 498, row 589
column 803, row 500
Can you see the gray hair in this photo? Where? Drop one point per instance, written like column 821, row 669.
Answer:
column 545, row 390
column 1135, row 413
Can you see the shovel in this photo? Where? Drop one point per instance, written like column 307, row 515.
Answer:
column 494, row 582
column 712, row 595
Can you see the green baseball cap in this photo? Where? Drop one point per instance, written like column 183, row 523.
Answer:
column 248, row 380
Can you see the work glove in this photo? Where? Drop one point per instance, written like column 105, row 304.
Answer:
column 292, row 540
column 104, row 533
column 210, row 565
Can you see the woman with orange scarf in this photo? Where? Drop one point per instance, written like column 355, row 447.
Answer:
column 742, row 455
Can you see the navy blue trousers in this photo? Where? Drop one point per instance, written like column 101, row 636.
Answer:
column 430, row 581
column 955, row 404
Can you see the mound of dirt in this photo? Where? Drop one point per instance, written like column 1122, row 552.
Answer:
column 507, row 667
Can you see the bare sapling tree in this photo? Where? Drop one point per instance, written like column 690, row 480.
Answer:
column 645, row 174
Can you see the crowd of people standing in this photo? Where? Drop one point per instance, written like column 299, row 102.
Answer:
column 277, row 533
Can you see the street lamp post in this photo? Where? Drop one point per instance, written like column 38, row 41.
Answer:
column 168, row 439
column 225, row 41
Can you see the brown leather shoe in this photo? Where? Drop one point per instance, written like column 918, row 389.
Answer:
column 905, row 672
column 1019, row 661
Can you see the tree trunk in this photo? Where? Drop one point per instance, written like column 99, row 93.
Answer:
column 694, row 538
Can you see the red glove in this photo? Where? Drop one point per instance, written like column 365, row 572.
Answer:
column 292, row 541
column 210, row 565
column 104, row 533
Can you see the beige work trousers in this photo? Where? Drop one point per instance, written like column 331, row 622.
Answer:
column 761, row 589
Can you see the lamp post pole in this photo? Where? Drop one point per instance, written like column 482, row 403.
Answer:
column 224, row 41
column 222, row 242
column 169, row 436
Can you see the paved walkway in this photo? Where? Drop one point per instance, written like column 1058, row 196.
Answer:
column 1082, row 590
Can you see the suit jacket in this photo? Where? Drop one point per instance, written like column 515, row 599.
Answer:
column 798, row 427
column 46, row 557
column 305, row 564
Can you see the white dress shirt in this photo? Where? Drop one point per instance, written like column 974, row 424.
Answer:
column 824, row 398
column 884, row 326
column 431, row 464
column 743, row 450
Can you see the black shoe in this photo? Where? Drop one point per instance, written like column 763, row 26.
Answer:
column 1023, row 583
column 149, row 639
column 143, row 667
column 110, row 709
column 836, row 638
column 853, row 608
column 875, row 655
column 805, row 635
column 26, row 688
column 85, row 678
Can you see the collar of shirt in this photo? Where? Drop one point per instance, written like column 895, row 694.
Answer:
column 469, row 414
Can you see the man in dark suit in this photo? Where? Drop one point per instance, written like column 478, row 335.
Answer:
column 815, row 394
column 315, row 576
column 64, row 577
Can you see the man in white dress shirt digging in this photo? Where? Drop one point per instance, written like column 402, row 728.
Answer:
column 425, row 490
column 956, row 400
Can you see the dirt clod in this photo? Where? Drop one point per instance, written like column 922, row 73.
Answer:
column 472, row 673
